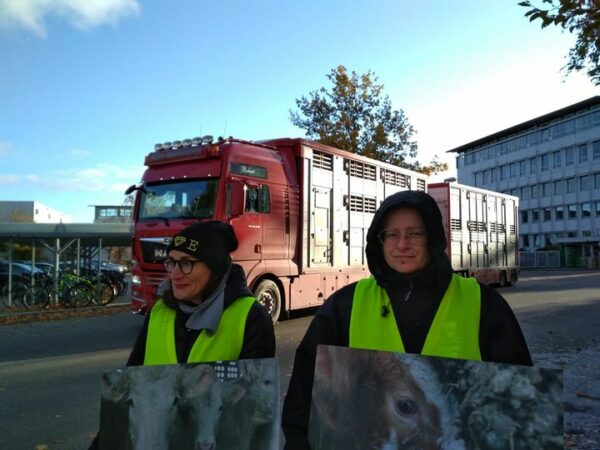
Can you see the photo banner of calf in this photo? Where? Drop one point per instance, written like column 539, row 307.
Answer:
column 232, row 405
column 365, row 399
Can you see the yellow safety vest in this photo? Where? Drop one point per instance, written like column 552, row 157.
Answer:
column 225, row 344
column 454, row 332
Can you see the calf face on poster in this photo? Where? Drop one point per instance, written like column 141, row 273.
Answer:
column 252, row 422
column 373, row 400
column 150, row 397
column 201, row 401
column 366, row 399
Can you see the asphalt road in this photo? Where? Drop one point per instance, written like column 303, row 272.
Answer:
column 50, row 371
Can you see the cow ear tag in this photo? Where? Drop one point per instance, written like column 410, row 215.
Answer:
column 179, row 240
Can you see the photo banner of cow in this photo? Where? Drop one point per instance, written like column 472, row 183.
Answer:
column 232, row 405
column 364, row 399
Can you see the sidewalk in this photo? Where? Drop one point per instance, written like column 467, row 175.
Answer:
column 23, row 315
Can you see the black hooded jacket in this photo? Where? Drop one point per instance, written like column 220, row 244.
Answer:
column 414, row 299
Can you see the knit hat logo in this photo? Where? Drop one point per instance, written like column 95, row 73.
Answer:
column 180, row 240
column 193, row 245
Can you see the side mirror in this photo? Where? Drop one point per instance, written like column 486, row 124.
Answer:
column 130, row 189
column 236, row 198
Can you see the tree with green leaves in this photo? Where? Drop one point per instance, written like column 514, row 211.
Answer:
column 356, row 116
column 581, row 17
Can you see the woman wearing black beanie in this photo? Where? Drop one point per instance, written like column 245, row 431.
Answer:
column 207, row 304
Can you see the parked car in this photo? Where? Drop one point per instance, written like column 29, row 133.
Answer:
column 46, row 267
column 105, row 265
column 20, row 272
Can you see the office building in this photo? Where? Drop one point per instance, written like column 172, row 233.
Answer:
column 552, row 163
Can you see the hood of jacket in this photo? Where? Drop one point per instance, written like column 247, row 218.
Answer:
column 429, row 211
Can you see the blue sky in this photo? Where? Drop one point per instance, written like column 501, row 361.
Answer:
column 88, row 88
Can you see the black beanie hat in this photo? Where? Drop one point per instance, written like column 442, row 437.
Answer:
column 211, row 242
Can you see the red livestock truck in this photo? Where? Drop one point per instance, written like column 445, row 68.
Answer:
column 301, row 211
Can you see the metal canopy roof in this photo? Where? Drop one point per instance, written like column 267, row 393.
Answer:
column 119, row 233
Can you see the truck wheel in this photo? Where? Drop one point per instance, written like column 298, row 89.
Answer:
column 513, row 278
column 268, row 295
column 502, row 281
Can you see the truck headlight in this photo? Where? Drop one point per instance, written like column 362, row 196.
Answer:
column 135, row 279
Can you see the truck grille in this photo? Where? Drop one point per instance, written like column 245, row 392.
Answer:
column 154, row 250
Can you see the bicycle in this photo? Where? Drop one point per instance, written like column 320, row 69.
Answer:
column 69, row 290
column 104, row 291
column 15, row 296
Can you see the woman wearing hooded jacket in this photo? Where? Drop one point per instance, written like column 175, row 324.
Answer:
column 412, row 284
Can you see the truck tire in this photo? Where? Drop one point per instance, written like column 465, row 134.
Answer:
column 513, row 278
column 269, row 296
column 502, row 281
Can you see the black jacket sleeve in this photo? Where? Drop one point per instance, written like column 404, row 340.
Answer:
column 500, row 337
column 259, row 334
column 328, row 327
column 136, row 357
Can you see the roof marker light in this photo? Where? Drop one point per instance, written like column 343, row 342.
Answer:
column 196, row 141
column 167, row 145
column 158, row 147
column 176, row 144
column 207, row 139
column 186, row 142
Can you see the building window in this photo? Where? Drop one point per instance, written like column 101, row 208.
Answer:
column 584, row 183
column 535, row 215
column 545, row 162
column 597, row 209
column 525, row 241
column 556, row 160
column 547, row 189
column 478, row 178
column 560, row 213
column 522, row 167
column 524, row 216
column 597, row 181
column 526, row 192
column 504, row 173
column 570, row 185
column 533, row 165
column 572, row 211
column 513, row 170
column 596, row 150
column 583, row 153
column 547, row 214
column 559, row 187
column 534, row 191
column 586, row 209
column 569, row 156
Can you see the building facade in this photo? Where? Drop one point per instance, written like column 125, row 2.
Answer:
column 113, row 214
column 30, row 212
column 552, row 163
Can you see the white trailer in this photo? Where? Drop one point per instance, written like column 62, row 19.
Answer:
column 482, row 231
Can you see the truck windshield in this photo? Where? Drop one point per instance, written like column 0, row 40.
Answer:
column 180, row 199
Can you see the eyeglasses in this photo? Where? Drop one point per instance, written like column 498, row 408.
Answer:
column 389, row 237
column 185, row 265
